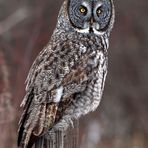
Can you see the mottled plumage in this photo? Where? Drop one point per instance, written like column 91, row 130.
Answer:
column 67, row 78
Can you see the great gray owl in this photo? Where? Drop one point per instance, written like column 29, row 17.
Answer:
column 67, row 78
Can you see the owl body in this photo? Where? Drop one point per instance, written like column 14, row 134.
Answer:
column 84, row 51
column 67, row 78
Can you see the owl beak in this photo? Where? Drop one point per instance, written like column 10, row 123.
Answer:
column 91, row 25
column 91, row 21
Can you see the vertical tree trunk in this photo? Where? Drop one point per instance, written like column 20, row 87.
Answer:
column 69, row 139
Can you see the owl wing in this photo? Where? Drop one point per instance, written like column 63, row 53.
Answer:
column 43, row 94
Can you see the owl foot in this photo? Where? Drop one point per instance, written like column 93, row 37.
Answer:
column 60, row 128
column 64, row 124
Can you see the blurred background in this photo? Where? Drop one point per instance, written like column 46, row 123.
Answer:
column 121, row 121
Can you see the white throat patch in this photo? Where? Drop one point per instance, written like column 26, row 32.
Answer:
column 83, row 30
column 87, row 30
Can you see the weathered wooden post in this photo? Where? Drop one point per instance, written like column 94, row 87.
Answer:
column 69, row 139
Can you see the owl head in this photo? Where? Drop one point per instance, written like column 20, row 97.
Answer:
column 91, row 16
column 87, row 16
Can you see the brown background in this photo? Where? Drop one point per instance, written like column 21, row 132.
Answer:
column 121, row 121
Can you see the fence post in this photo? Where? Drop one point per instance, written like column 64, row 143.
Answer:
column 68, row 140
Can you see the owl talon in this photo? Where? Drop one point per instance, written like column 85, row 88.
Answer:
column 51, row 135
column 64, row 124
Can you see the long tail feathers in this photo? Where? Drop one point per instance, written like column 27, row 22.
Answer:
column 35, row 123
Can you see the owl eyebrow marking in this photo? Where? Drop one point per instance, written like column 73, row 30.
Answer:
column 99, row 4
column 85, row 4
column 59, row 93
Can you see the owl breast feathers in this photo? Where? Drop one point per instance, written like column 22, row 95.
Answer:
column 67, row 78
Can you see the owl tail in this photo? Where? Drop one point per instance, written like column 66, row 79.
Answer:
column 35, row 121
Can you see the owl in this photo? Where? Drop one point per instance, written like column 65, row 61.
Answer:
column 66, row 80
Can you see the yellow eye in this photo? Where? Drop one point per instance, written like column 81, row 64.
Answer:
column 83, row 9
column 99, row 11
